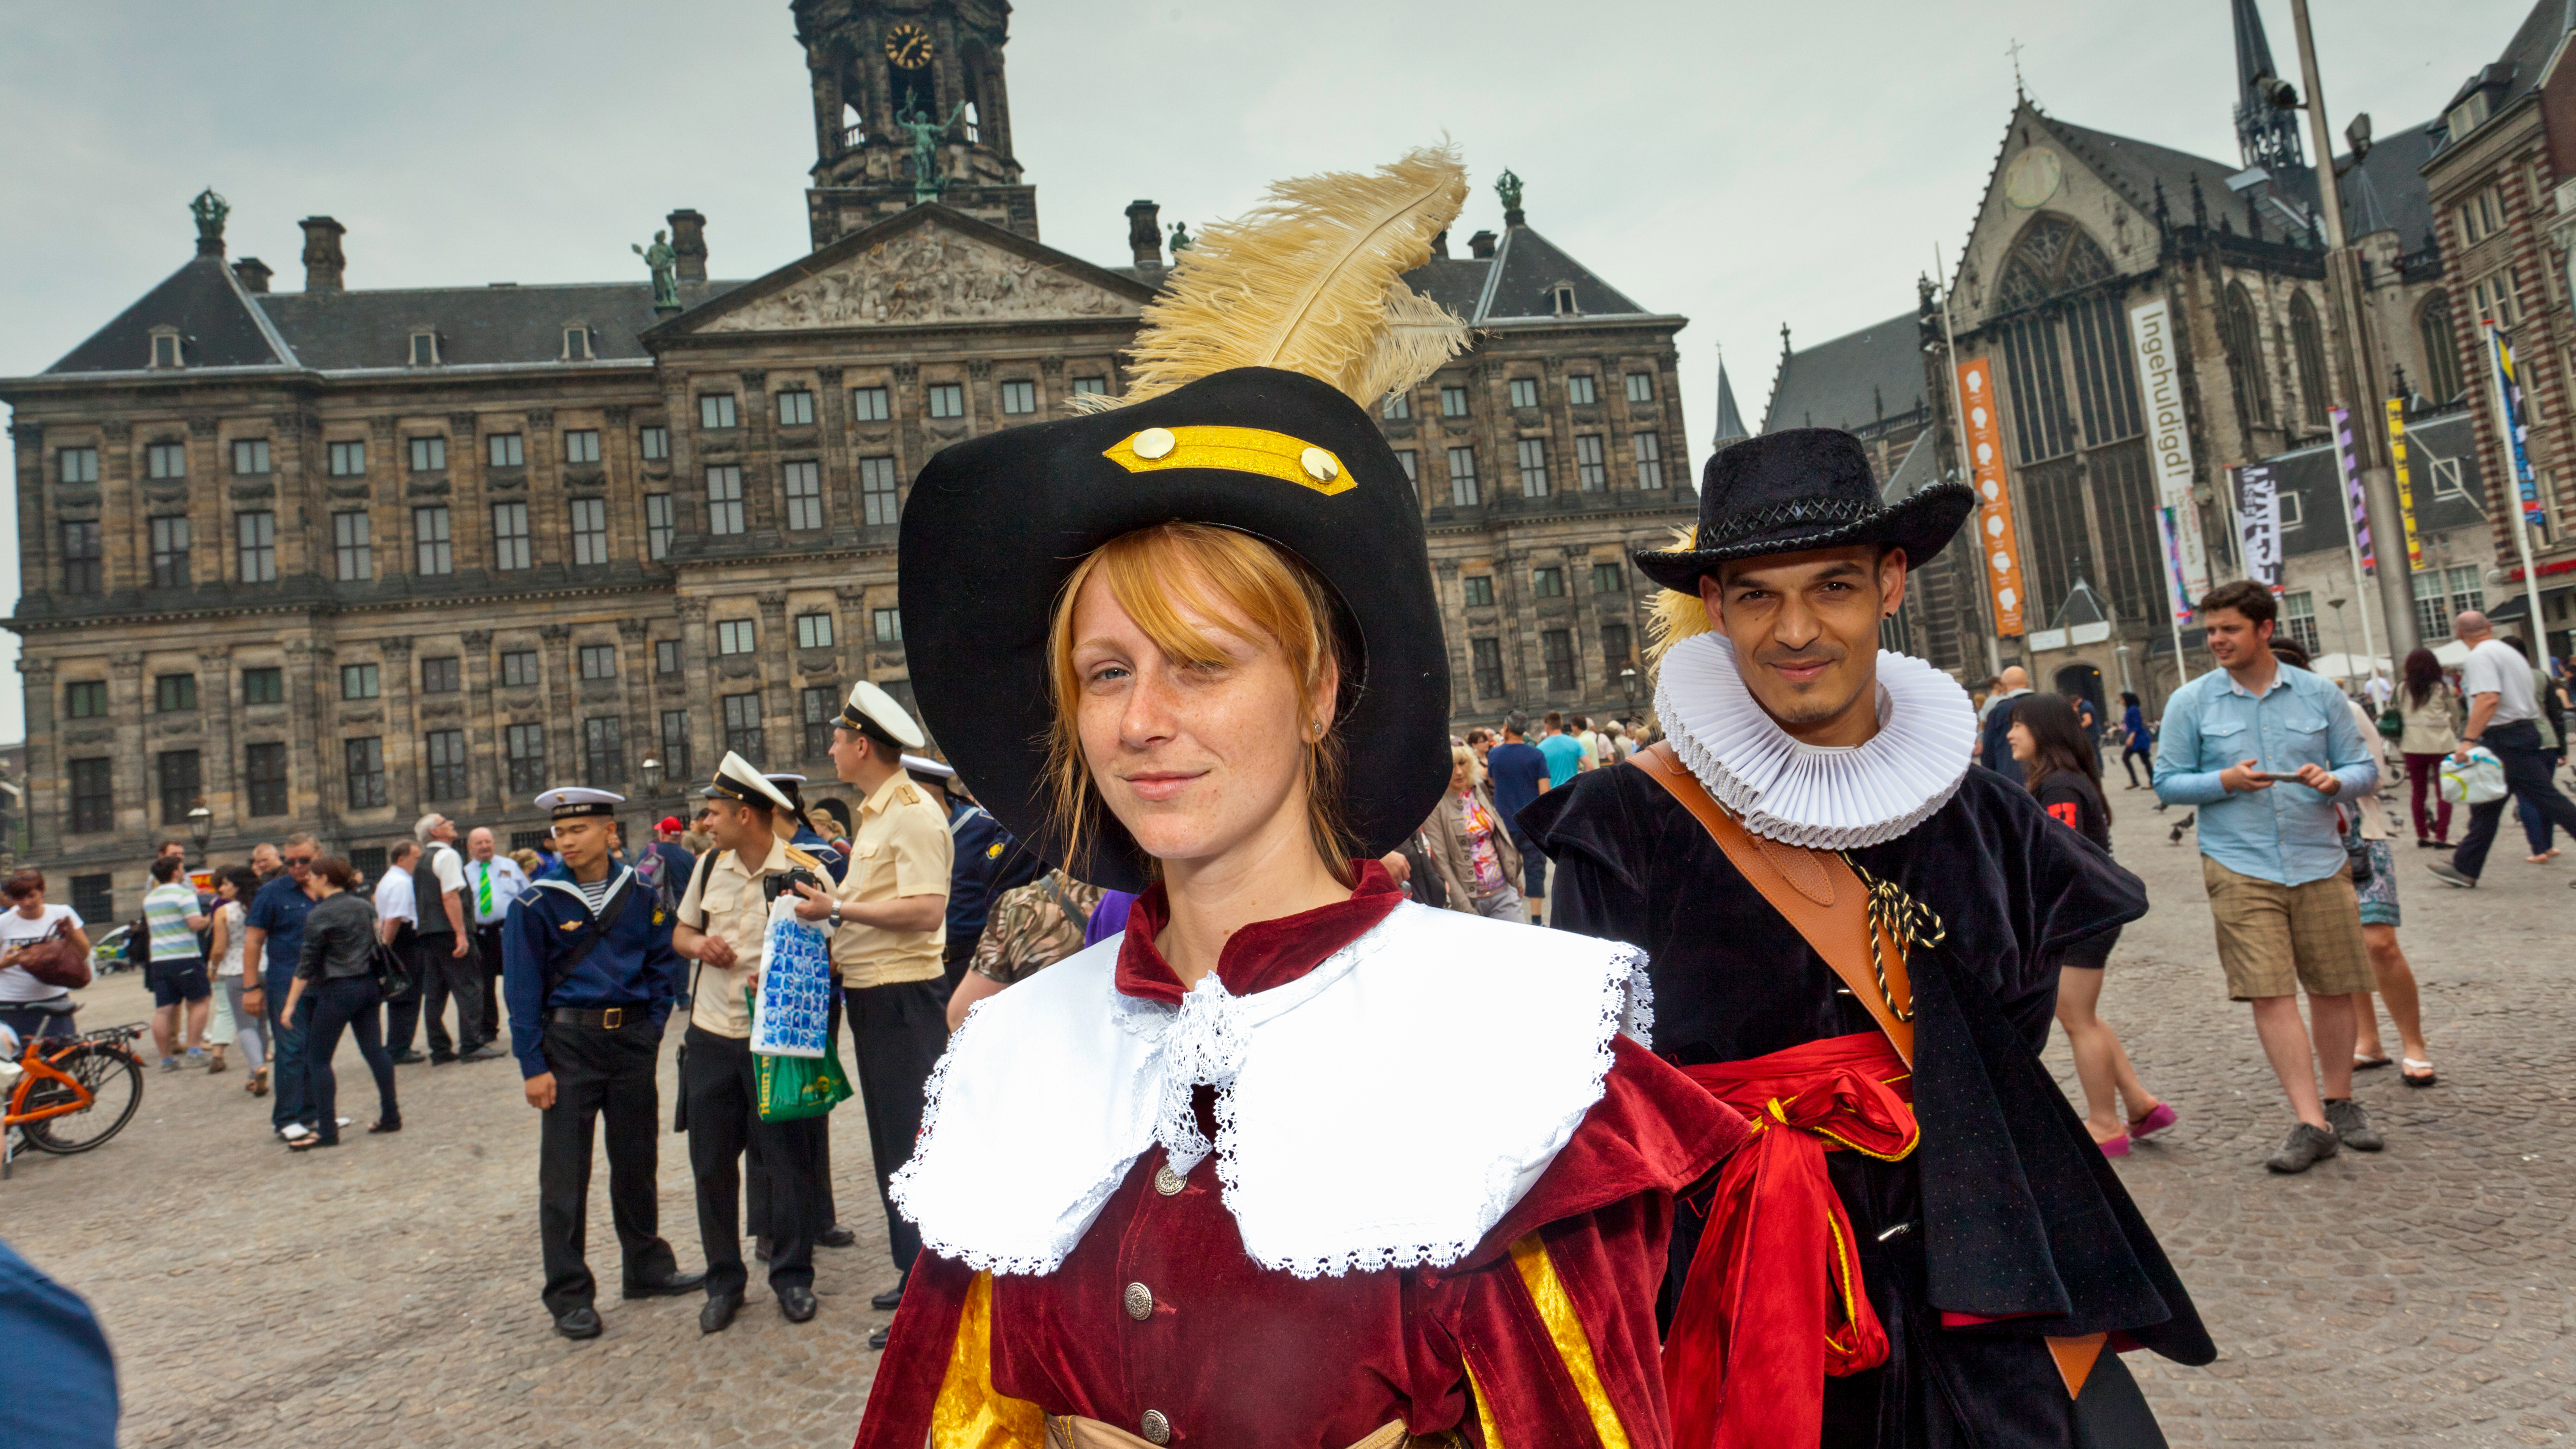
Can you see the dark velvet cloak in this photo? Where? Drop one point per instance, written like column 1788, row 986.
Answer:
column 2007, row 1211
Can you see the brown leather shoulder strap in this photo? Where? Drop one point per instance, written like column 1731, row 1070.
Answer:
column 1815, row 890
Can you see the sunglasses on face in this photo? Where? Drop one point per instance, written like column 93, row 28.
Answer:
column 296, row 860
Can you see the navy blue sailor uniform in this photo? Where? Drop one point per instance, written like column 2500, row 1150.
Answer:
column 596, row 1024
column 988, row 862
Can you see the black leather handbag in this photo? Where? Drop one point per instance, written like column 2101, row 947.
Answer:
column 393, row 978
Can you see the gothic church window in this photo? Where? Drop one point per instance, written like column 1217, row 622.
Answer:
column 2236, row 329
column 2308, row 351
column 2051, row 257
column 2441, row 348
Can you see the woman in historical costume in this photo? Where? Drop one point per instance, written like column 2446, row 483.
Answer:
column 1291, row 1161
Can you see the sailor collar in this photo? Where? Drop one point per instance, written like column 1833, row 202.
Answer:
column 572, row 888
column 1820, row 796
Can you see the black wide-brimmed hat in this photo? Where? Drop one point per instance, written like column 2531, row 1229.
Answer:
column 1804, row 488
column 996, row 525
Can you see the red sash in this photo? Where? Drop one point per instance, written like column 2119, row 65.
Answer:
column 1773, row 1302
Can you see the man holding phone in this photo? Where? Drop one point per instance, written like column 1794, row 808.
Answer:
column 2264, row 751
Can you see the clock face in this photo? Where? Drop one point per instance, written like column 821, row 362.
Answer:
column 2032, row 178
column 908, row 45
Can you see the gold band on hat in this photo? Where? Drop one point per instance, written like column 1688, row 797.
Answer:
column 1241, row 450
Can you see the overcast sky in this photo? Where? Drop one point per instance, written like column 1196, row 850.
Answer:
column 1744, row 165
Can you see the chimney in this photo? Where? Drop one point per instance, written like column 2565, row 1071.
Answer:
column 323, row 263
column 689, row 244
column 1145, row 236
column 1440, row 245
column 1481, row 246
column 254, row 274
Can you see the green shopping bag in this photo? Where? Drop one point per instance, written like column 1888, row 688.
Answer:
column 795, row 1088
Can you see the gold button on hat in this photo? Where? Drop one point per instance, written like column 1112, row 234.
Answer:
column 1154, row 443
column 1140, row 1302
column 1319, row 465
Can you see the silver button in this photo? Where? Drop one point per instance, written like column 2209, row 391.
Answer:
column 1168, row 1182
column 1140, row 1302
column 1154, row 443
column 1319, row 465
column 1155, row 1428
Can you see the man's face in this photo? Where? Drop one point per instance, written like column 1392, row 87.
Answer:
column 1805, row 627
column 168, row 849
column 582, row 841
column 2236, row 641
column 849, row 754
column 264, row 860
column 299, row 862
column 479, row 844
column 740, row 829
column 443, row 829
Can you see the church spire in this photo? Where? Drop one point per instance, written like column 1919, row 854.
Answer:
column 2266, row 135
column 1730, row 422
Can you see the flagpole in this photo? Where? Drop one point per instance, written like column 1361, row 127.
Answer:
column 1959, row 428
column 2513, row 463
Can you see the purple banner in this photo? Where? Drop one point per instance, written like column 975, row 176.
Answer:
column 2352, row 489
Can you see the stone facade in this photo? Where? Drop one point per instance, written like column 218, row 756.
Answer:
column 444, row 548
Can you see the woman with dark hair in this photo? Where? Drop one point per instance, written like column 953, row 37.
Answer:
column 234, row 886
column 2431, row 709
column 338, row 969
column 2059, row 767
column 28, row 1006
column 2135, row 738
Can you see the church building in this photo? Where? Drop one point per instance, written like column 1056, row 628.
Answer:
column 326, row 559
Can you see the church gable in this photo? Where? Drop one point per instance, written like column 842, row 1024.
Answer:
column 927, row 267
column 2100, row 186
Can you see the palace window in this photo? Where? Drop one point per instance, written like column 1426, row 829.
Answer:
column 348, row 460
column 85, row 699
column 255, row 540
column 1019, row 397
column 166, row 351
column 947, row 400
column 170, row 551
column 360, row 681
column 813, row 631
column 581, row 445
column 353, row 549
column 447, row 768
column 366, row 771
column 519, row 668
column 1556, row 650
column 525, row 748
column 1650, row 460
column 658, row 527
column 1397, row 405
column 250, row 457
column 818, row 712
column 867, row 404
column 716, row 410
column 433, row 551
column 598, row 661
column 1524, row 392
column 1641, row 387
column 1579, row 390
column 1083, row 385
column 1547, row 583
column 424, row 349
column 84, row 566
column 576, row 344
column 506, row 450
column 76, row 465
column 264, row 770
column 1609, row 578
column 675, row 745
column 264, row 686
column 1478, row 590
column 1487, row 655
column 1533, row 465
column 93, row 797
column 804, row 494
column 878, row 494
column 174, row 693
column 737, row 636
column 1411, row 463
column 666, row 656
column 742, row 732
column 428, row 455
column 724, row 500
column 1590, row 474
column 795, row 408
column 1462, row 477
column 889, row 626
column 165, row 460
column 589, row 531
column 653, row 443
column 1614, row 651
column 603, row 753
column 510, row 543
column 1453, row 402
column 442, row 675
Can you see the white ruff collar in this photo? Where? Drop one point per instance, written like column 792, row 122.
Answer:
column 1822, row 797
column 1383, row 1110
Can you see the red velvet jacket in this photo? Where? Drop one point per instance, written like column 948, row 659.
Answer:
column 1543, row 1336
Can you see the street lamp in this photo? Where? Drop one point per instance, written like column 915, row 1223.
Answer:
column 652, row 771
column 1628, row 682
column 201, row 825
column 2343, row 641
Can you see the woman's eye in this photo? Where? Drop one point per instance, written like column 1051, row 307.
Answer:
column 1108, row 673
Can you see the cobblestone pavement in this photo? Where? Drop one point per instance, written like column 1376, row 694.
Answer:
column 386, row 1292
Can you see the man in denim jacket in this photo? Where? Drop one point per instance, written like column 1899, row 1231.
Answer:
column 2264, row 750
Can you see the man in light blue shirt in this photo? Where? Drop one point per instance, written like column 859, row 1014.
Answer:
column 1563, row 751
column 2264, row 751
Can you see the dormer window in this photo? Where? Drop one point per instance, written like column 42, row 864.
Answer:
column 166, row 349
column 424, row 348
column 1564, row 301
column 2467, row 115
column 576, row 343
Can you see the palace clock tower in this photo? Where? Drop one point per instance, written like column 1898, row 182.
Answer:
column 910, row 105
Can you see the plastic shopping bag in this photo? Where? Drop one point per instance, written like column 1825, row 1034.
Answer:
column 791, row 1033
column 2475, row 783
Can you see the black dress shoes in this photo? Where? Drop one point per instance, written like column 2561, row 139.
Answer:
column 408, row 1059
column 837, row 1236
column 878, row 1338
column 581, row 1322
column 892, row 1298
column 797, row 1304
column 671, row 1287
column 719, row 1312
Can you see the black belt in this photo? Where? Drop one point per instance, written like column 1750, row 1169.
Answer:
column 609, row 1018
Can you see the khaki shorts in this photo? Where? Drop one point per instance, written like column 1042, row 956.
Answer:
column 2274, row 939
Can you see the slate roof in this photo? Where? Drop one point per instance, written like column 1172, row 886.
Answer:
column 206, row 303
column 2388, row 192
column 1919, row 469
column 1730, row 422
column 1518, row 283
column 1852, row 381
column 476, row 326
column 2517, row 71
column 2134, row 167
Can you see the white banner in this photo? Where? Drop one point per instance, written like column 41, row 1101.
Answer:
column 2160, row 387
column 2258, row 520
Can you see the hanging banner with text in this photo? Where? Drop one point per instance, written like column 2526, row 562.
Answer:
column 2350, row 472
column 2160, row 387
column 2258, row 523
column 2405, row 485
column 1994, row 497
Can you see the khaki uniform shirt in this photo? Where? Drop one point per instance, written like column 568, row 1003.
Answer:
column 900, row 848
column 724, row 900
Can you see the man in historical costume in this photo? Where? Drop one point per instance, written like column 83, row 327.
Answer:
column 1366, row 1173
column 1912, row 1140
column 588, row 968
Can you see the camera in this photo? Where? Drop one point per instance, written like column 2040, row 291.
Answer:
column 784, row 883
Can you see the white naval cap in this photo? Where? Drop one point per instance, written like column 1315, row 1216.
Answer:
column 870, row 708
column 737, row 780
column 573, row 801
column 934, row 769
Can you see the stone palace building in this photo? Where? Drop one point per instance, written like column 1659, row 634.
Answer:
column 326, row 559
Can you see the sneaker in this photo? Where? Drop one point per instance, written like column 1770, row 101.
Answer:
column 196, row 1057
column 2305, row 1147
column 169, row 1064
column 2352, row 1126
column 2451, row 875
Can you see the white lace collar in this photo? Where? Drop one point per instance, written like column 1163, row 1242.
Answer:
column 1824, row 797
column 1383, row 1110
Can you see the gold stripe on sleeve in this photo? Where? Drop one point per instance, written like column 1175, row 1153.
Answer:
column 1565, row 1330
column 968, row 1413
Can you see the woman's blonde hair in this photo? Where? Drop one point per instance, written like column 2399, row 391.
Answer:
column 1466, row 755
column 1154, row 573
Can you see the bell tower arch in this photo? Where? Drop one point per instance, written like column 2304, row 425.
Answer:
column 911, row 104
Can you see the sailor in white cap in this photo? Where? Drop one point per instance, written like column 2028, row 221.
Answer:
column 722, row 920
column 590, row 975
column 890, row 915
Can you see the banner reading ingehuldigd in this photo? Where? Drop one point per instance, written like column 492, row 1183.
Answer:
column 1994, row 498
column 2258, row 523
column 2169, row 446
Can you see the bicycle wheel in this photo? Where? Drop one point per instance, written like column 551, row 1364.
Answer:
column 115, row 1082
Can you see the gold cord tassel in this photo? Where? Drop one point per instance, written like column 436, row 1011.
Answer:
column 1898, row 917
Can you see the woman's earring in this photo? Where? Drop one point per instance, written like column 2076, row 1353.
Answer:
column 1319, row 729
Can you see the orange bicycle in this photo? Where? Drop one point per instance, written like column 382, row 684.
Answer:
column 76, row 1092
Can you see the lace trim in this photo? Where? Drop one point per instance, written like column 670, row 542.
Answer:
column 1822, row 798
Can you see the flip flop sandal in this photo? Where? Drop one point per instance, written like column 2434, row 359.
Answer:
column 2362, row 1063
column 2426, row 1080
column 2115, row 1146
column 2164, row 1116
